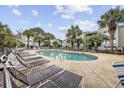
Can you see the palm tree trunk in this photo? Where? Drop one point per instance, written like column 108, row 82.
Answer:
column 39, row 43
column 112, row 43
column 112, row 33
column 78, row 45
column 72, row 45
column 28, row 42
column 49, row 42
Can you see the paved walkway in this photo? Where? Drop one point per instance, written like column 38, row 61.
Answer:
column 98, row 73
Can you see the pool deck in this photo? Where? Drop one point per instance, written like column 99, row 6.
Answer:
column 97, row 73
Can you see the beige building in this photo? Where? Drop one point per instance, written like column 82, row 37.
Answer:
column 119, row 37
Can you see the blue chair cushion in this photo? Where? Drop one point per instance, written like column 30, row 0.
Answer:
column 121, row 76
column 122, row 82
column 118, row 65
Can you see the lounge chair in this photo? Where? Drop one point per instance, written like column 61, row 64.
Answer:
column 35, row 77
column 29, row 59
column 48, row 84
column 120, row 75
column 31, row 64
column 26, row 54
column 119, row 68
column 66, row 80
column 118, row 64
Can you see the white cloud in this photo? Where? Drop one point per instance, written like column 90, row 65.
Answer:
column 87, row 25
column 63, row 29
column 13, row 6
column 39, row 25
column 121, row 6
column 49, row 25
column 16, row 12
column 114, row 6
column 59, row 8
column 23, row 21
column 65, row 16
column 34, row 12
column 70, row 10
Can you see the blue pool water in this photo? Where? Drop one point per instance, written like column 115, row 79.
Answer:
column 67, row 55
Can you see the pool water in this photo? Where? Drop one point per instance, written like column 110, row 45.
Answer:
column 67, row 55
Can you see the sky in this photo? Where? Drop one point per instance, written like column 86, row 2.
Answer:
column 52, row 18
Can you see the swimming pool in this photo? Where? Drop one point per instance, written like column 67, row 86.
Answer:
column 67, row 55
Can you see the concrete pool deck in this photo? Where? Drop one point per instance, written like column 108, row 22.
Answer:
column 98, row 73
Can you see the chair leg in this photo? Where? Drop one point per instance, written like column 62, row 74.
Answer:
column 117, row 84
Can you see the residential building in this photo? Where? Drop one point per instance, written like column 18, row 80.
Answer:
column 118, row 39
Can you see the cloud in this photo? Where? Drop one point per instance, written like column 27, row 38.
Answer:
column 121, row 6
column 13, row 6
column 114, row 6
column 16, row 12
column 59, row 9
column 39, row 25
column 23, row 21
column 87, row 25
column 34, row 12
column 65, row 16
column 49, row 25
column 63, row 29
column 68, row 11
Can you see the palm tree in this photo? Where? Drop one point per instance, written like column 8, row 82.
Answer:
column 28, row 34
column 38, row 35
column 111, row 20
column 4, row 30
column 60, row 41
column 37, row 31
column 57, row 43
column 5, row 36
column 90, row 42
column 79, row 41
column 47, row 38
column 38, row 39
column 73, row 34
column 96, row 40
column 100, row 38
